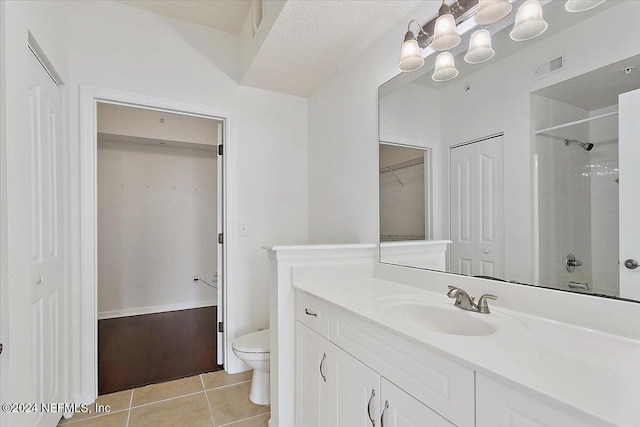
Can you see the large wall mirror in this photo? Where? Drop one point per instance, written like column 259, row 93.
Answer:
column 523, row 168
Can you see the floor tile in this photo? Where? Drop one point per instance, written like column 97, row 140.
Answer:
column 119, row 419
column 115, row 401
column 231, row 404
column 157, row 392
column 189, row 411
column 259, row 421
column 221, row 378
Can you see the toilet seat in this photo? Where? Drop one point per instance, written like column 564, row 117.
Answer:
column 254, row 343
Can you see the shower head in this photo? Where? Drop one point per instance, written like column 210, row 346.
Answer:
column 584, row 145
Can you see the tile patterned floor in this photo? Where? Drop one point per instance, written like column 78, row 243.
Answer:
column 215, row 399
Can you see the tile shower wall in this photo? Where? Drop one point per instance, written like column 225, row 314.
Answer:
column 604, row 203
column 578, row 198
column 564, row 194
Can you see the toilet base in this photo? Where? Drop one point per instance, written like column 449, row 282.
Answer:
column 260, row 388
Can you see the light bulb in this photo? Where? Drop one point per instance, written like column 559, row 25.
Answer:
column 410, row 57
column 529, row 22
column 445, row 35
column 491, row 11
column 480, row 49
column 581, row 5
column 445, row 68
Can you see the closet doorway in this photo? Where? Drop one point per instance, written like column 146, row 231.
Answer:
column 159, row 213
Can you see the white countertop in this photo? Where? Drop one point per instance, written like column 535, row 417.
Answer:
column 590, row 371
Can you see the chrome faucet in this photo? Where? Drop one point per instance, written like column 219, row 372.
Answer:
column 466, row 302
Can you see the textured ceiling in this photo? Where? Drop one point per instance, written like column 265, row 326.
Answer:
column 225, row 15
column 312, row 38
column 598, row 88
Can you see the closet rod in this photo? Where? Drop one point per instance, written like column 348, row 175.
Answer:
column 577, row 122
column 402, row 165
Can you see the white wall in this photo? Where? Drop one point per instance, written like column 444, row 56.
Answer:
column 413, row 112
column 156, row 228
column 107, row 44
column 267, row 148
column 342, row 120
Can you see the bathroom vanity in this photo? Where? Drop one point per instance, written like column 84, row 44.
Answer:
column 382, row 345
column 371, row 352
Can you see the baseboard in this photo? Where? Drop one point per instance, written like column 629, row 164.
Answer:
column 112, row 314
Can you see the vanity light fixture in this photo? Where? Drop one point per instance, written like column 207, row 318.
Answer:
column 445, row 33
column 480, row 49
column 529, row 22
column 410, row 57
column 445, row 68
column 441, row 33
column 492, row 11
column 581, row 5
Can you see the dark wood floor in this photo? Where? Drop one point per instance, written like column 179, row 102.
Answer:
column 140, row 350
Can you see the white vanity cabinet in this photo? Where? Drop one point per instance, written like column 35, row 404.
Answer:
column 354, row 391
column 502, row 406
column 332, row 388
column 311, row 404
column 335, row 388
column 399, row 409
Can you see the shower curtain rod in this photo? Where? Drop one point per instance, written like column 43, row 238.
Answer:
column 577, row 122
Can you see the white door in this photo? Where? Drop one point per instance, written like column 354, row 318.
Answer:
column 354, row 391
column 45, row 189
column 311, row 378
column 629, row 155
column 477, row 208
column 400, row 409
column 221, row 335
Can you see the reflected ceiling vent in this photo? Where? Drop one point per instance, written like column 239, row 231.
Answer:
column 256, row 17
column 548, row 68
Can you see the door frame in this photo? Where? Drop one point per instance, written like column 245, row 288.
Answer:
column 4, row 282
column 89, row 98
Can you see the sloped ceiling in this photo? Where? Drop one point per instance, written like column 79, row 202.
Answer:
column 309, row 40
column 225, row 15
column 312, row 38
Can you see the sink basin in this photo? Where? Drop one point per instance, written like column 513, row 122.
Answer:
column 446, row 320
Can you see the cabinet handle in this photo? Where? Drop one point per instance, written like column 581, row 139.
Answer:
column 373, row 394
column 324, row 356
column 310, row 313
column 386, row 406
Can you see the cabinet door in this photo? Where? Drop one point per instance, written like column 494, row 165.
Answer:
column 354, row 391
column 500, row 406
column 399, row 409
column 311, row 387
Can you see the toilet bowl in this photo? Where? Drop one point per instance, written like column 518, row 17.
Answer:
column 253, row 349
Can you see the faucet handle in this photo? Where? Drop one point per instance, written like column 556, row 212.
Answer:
column 483, row 307
column 452, row 293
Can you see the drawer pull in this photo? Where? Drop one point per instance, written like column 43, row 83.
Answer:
column 310, row 313
column 324, row 356
column 373, row 394
column 386, row 406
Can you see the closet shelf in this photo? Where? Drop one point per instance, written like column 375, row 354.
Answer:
column 577, row 122
column 402, row 165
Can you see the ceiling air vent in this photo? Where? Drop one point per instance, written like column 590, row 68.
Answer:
column 549, row 67
column 256, row 17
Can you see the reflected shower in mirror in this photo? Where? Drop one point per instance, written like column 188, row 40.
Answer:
column 525, row 180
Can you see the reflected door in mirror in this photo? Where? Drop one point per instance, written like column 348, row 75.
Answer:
column 477, row 208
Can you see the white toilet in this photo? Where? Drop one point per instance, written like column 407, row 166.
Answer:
column 253, row 349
